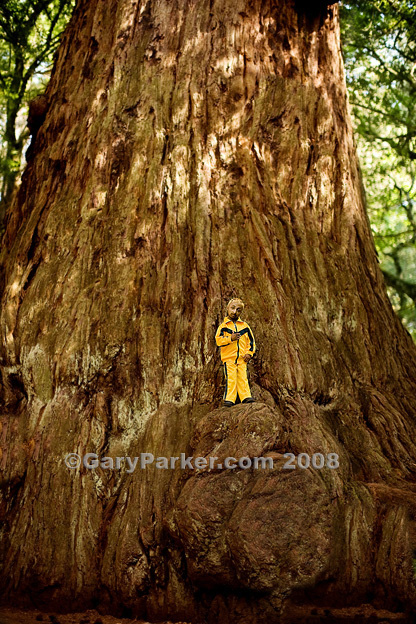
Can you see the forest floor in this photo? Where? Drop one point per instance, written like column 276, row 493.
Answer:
column 365, row 614
column 9, row 615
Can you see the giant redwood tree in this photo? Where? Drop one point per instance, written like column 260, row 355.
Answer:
column 191, row 151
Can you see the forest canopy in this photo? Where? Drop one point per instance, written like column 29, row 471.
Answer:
column 379, row 46
column 30, row 33
column 379, row 50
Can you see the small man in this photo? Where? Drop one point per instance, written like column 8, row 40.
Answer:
column 236, row 341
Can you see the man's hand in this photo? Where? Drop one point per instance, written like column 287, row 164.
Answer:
column 247, row 357
column 235, row 336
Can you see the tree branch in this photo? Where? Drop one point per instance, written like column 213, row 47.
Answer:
column 399, row 284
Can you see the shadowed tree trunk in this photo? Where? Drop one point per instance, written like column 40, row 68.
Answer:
column 193, row 151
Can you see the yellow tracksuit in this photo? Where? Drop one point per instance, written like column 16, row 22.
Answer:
column 232, row 353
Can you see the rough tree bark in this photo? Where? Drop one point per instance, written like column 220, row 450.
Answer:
column 192, row 151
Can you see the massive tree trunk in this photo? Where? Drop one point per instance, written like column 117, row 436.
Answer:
column 194, row 151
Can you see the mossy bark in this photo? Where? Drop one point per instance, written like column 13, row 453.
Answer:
column 194, row 151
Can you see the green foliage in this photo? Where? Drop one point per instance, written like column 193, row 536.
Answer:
column 379, row 46
column 29, row 36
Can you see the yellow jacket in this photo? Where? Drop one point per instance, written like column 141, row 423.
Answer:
column 232, row 350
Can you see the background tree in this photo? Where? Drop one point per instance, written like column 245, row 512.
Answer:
column 379, row 44
column 193, row 151
column 29, row 36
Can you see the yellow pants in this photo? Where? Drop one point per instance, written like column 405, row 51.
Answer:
column 236, row 380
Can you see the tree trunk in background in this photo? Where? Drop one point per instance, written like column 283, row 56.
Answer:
column 193, row 151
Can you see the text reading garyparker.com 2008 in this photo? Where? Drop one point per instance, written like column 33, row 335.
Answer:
column 90, row 461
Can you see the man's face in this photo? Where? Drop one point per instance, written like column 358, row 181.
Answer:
column 234, row 310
